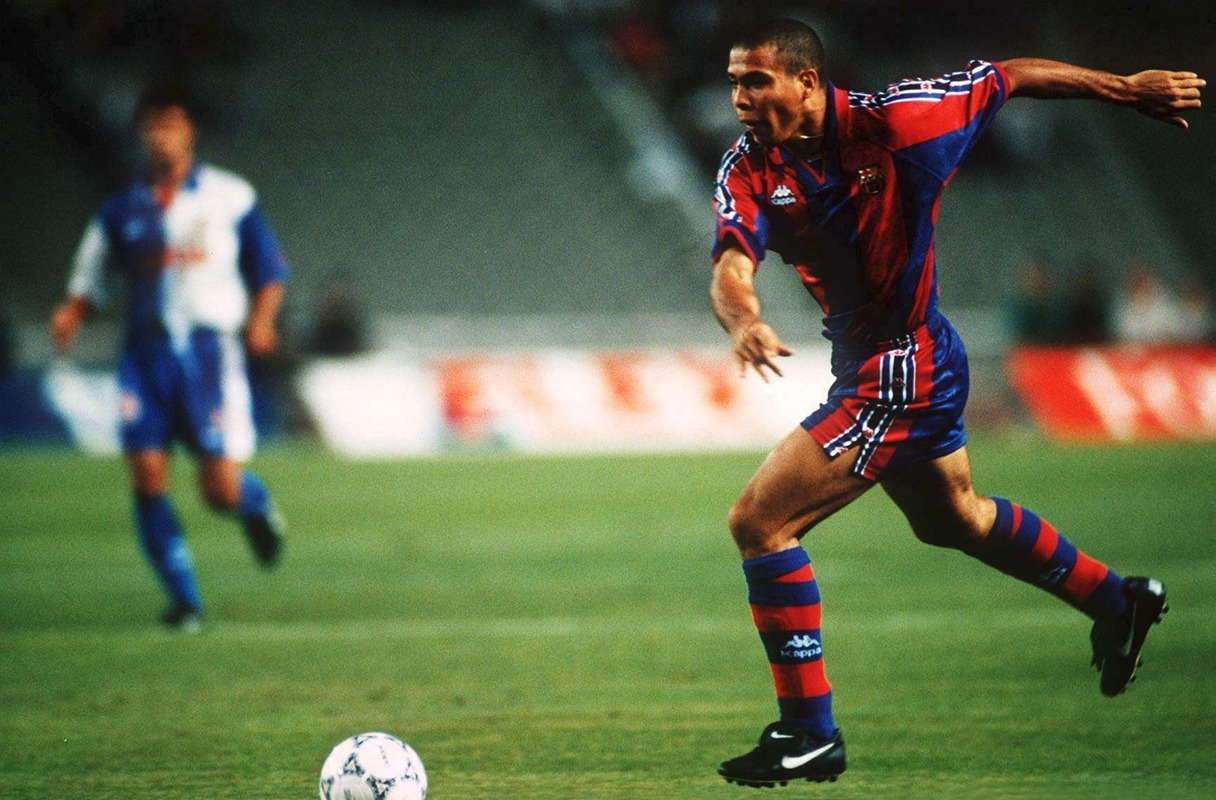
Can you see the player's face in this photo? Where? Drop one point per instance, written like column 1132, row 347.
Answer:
column 168, row 135
column 767, row 99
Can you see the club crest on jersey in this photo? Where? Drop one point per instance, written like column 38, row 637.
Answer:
column 871, row 180
column 782, row 196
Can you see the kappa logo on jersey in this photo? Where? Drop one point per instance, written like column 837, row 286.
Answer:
column 871, row 180
column 782, row 196
column 802, row 647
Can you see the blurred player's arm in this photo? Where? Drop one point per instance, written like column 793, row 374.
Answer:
column 1157, row 93
column 85, row 287
column 738, row 310
column 265, row 270
column 261, row 334
column 67, row 320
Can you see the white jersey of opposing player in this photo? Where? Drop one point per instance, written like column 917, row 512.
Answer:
column 190, row 261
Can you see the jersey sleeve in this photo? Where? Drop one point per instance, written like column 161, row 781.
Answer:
column 88, row 279
column 740, row 218
column 261, row 259
column 942, row 117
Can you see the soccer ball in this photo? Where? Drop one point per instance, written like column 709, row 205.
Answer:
column 373, row 766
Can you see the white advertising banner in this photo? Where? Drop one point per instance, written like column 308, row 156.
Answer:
column 553, row 401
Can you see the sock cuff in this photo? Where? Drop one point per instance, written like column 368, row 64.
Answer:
column 148, row 502
column 1004, row 516
column 774, row 565
column 255, row 499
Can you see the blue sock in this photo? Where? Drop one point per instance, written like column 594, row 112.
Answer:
column 255, row 499
column 1023, row 544
column 166, row 549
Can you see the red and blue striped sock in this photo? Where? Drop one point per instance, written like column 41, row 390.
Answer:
column 785, row 607
column 1027, row 547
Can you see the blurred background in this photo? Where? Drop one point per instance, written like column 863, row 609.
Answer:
column 496, row 210
column 498, row 219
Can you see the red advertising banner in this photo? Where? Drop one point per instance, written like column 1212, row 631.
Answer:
column 1119, row 393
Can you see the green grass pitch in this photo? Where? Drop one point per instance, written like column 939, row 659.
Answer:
column 578, row 628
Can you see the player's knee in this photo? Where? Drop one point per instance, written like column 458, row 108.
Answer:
column 149, row 484
column 959, row 527
column 149, row 478
column 748, row 526
column 220, row 496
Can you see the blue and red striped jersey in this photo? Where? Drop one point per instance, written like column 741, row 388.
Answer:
column 857, row 222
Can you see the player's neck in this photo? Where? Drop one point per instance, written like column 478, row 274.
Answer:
column 808, row 141
column 807, row 147
column 169, row 176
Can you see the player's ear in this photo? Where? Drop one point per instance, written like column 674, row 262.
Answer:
column 810, row 80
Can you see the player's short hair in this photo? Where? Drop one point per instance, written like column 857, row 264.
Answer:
column 798, row 46
column 160, row 96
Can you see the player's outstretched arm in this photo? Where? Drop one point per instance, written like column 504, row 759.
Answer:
column 1157, row 93
column 66, row 321
column 261, row 335
column 738, row 309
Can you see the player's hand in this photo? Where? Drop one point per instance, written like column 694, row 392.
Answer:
column 756, row 345
column 65, row 325
column 261, row 338
column 1164, row 95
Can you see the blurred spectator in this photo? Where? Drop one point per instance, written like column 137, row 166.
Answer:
column 338, row 328
column 1034, row 314
column 1147, row 313
column 1086, row 315
column 1195, row 318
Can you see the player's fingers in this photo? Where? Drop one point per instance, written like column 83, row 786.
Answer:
column 768, row 362
column 741, row 363
column 760, row 371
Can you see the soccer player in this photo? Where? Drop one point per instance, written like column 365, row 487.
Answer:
column 845, row 187
column 200, row 264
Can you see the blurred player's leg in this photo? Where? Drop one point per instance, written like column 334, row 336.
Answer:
column 262, row 522
column 231, row 488
column 162, row 540
column 219, row 412
column 940, row 503
column 795, row 488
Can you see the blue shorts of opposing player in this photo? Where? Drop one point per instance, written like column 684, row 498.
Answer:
column 196, row 392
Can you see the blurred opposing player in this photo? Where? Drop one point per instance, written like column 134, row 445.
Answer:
column 845, row 187
column 200, row 264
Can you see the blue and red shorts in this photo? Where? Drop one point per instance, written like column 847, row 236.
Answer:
column 900, row 401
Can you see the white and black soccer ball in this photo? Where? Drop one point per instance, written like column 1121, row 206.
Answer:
column 373, row 766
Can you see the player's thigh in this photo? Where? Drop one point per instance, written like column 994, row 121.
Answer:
column 149, row 471
column 219, row 480
column 796, row 487
column 939, row 500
